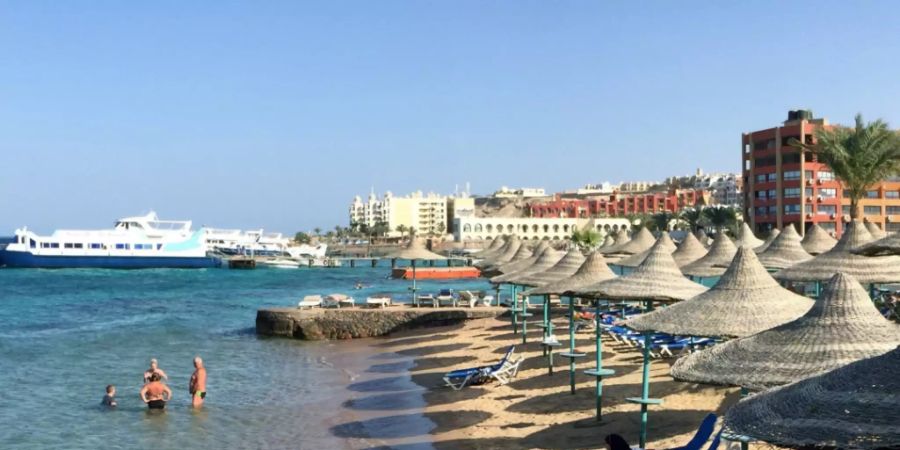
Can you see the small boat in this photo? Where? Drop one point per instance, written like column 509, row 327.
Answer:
column 281, row 263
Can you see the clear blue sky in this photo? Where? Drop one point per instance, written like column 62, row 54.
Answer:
column 274, row 114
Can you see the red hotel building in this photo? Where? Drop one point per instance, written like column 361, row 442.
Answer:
column 617, row 204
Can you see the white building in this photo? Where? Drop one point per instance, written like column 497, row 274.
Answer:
column 426, row 213
column 604, row 188
column 505, row 192
column 479, row 228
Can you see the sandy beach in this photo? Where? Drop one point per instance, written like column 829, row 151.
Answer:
column 537, row 410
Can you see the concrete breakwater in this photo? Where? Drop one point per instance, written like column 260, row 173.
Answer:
column 351, row 323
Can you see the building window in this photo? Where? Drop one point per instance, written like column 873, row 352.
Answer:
column 872, row 210
column 765, row 162
column 891, row 194
column 773, row 210
column 845, row 210
column 761, row 178
column 826, row 210
column 808, row 174
column 871, row 194
column 807, row 209
column 808, row 192
column 467, row 228
column 773, row 193
column 791, row 192
column 761, row 194
column 792, row 209
column 489, row 228
column 68, row 245
column 760, row 211
column 792, row 175
column 790, row 158
column 827, row 226
column 96, row 246
column 825, row 175
column 828, row 192
column 771, row 177
column 892, row 210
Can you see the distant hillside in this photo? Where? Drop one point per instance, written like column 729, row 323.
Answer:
column 503, row 207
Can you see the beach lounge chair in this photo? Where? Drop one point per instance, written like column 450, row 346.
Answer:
column 702, row 435
column 446, row 297
column 427, row 299
column 310, row 301
column 338, row 300
column 467, row 298
column 378, row 301
column 502, row 372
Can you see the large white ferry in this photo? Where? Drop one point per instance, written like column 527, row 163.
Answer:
column 134, row 243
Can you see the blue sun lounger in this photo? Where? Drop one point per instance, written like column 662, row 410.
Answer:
column 502, row 372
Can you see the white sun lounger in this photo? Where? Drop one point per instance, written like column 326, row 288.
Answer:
column 502, row 372
column 310, row 301
column 379, row 302
column 338, row 300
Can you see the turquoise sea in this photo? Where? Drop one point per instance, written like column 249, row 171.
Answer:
column 66, row 334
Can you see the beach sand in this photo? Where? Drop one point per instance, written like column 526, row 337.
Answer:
column 536, row 410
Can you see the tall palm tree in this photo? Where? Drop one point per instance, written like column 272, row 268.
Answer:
column 586, row 239
column 317, row 231
column 660, row 221
column 693, row 217
column 860, row 156
column 720, row 217
column 401, row 229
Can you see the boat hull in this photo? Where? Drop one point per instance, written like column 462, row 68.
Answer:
column 28, row 260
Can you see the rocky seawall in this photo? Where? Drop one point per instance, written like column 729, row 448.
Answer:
column 351, row 323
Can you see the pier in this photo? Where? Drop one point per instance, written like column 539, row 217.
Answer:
column 352, row 323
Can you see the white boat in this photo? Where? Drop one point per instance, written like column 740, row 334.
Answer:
column 133, row 243
column 233, row 242
column 281, row 263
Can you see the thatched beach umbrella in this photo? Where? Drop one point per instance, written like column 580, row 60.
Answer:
column 714, row 262
column 564, row 268
column 701, row 236
column 773, row 233
column 522, row 254
column 785, row 251
column 415, row 250
column 656, row 279
column 609, row 241
column 855, row 406
column 491, row 253
column 747, row 238
column 868, row 270
column 875, row 230
column 507, row 255
column 640, row 242
column 688, row 251
column 621, row 239
column 511, row 245
column 889, row 245
column 521, row 263
column 637, row 259
column 843, row 326
column 745, row 301
column 546, row 260
column 817, row 240
column 495, row 244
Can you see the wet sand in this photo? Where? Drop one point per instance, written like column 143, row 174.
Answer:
column 535, row 410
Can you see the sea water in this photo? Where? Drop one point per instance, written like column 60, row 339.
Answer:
column 66, row 334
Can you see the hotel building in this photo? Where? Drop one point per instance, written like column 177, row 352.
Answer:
column 479, row 228
column 427, row 213
column 786, row 185
column 619, row 204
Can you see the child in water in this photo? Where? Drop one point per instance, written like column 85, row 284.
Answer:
column 109, row 400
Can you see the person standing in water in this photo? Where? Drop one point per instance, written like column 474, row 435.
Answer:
column 154, row 368
column 198, row 383
column 109, row 400
column 155, row 394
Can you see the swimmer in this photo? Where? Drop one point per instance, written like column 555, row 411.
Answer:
column 154, row 368
column 155, row 394
column 197, row 386
column 109, row 400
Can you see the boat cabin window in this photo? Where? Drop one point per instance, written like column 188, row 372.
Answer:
column 122, row 246
column 33, row 243
column 96, row 246
column 54, row 245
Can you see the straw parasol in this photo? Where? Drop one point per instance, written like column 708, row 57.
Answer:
column 543, row 261
column 636, row 260
column 745, row 301
column 889, row 245
column 496, row 269
column 495, row 244
column 843, row 326
column 510, row 251
column 564, row 268
column 657, row 278
column 747, row 239
column 640, row 242
column 855, row 406
column 621, row 239
column 413, row 251
column 489, row 258
column 773, row 233
column 593, row 270
column 817, row 240
column 514, row 266
column 878, row 269
column 701, row 236
column 875, row 230
column 688, row 251
column 714, row 262
column 785, row 251
column 609, row 241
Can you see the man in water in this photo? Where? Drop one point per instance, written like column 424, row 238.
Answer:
column 198, row 383
column 154, row 368
column 109, row 400
column 155, row 394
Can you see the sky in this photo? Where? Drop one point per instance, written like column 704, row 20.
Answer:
column 275, row 114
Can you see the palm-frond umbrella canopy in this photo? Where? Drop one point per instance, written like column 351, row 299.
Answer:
column 769, row 239
column 817, row 240
column 564, row 268
column 609, row 241
column 507, row 255
column 877, row 269
column 785, row 251
column 416, row 250
column 640, row 242
column 714, row 262
column 517, row 265
column 688, row 251
column 495, row 244
column 855, row 406
column 544, row 261
column 636, row 260
column 747, row 238
column 657, row 278
column 593, row 270
column 843, row 326
column 701, row 236
column 491, row 258
column 875, row 230
column 621, row 239
column 490, row 253
column 522, row 254
column 889, row 245
column 745, row 301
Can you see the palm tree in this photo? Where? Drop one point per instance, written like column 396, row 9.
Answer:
column 720, row 217
column 317, row 231
column 693, row 217
column 401, row 229
column 860, row 156
column 587, row 239
column 660, row 221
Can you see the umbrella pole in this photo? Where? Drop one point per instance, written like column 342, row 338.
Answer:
column 599, row 372
column 572, row 344
column 744, row 444
column 545, row 326
column 644, row 400
column 525, row 316
column 515, row 309
column 415, row 300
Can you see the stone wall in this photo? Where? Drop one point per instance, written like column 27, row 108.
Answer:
column 319, row 324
